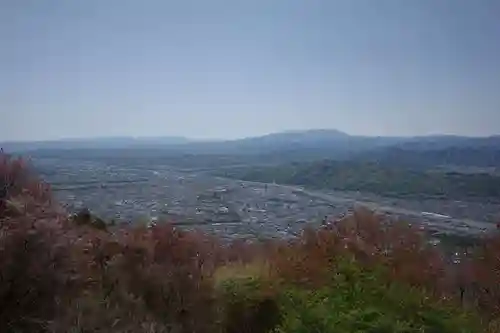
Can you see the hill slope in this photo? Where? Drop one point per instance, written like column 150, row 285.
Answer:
column 361, row 274
column 390, row 179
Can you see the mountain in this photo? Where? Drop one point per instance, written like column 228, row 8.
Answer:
column 292, row 146
column 465, row 156
column 92, row 143
column 296, row 136
column 389, row 180
column 439, row 142
column 320, row 143
column 426, row 151
column 281, row 141
column 435, row 151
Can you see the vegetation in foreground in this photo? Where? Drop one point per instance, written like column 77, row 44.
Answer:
column 60, row 274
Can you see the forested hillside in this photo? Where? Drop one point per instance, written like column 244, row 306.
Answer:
column 376, row 178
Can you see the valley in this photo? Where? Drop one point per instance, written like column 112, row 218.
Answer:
column 194, row 198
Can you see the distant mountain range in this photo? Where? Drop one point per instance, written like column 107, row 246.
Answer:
column 93, row 143
column 293, row 146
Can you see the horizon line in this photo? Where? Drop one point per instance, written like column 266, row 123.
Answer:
column 189, row 139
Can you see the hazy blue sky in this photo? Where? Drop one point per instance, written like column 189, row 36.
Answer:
column 214, row 68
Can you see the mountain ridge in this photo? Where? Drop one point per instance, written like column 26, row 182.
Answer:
column 295, row 145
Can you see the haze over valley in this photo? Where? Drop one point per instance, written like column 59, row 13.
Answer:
column 272, row 186
column 259, row 166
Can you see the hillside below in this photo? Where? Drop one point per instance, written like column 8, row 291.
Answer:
column 376, row 178
column 359, row 274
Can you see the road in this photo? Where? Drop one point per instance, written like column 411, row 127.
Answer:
column 228, row 207
column 445, row 224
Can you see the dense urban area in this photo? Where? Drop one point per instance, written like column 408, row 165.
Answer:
column 235, row 208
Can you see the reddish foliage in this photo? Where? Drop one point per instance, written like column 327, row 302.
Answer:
column 35, row 270
column 480, row 276
column 56, row 275
column 365, row 237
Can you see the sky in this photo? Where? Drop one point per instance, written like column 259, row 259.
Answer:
column 239, row 68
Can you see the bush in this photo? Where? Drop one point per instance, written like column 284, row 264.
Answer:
column 35, row 270
column 358, row 300
column 360, row 274
column 480, row 276
column 247, row 298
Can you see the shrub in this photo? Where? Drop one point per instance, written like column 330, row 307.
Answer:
column 35, row 270
column 359, row 274
column 480, row 276
column 246, row 298
column 358, row 300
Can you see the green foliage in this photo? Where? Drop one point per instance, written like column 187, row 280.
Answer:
column 374, row 178
column 248, row 306
column 360, row 301
column 355, row 299
column 84, row 217
column 60, row 275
